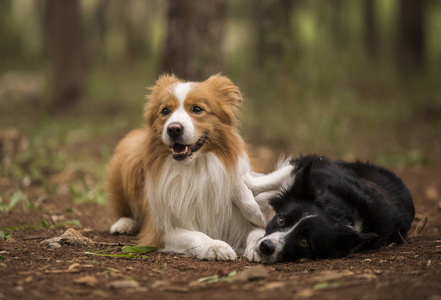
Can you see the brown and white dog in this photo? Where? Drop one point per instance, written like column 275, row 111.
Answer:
column 178, row 182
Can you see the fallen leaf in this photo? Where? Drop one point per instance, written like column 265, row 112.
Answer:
column 176, row 288
column 272, row 286
column 87, row 280
column 431, row 193
column 69, row 237
column 306, row 293
column 123, row 284
column 75, row 267
column 332, row 275
column 251, row 274
column 160, row 283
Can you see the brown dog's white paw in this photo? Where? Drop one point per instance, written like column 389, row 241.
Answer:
column 215, row 250
column 124, row 226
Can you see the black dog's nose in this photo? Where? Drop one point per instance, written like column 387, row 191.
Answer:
column 175, row 130
column 267, row 247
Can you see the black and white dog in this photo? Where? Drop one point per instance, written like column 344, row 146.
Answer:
column 330, row 209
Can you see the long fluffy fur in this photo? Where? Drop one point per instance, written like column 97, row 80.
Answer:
column 160, row 194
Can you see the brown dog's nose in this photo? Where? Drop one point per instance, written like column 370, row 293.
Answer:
column 175, row 130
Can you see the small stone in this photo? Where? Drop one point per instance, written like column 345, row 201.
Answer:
column 272, row 286
column 160, row 283
column 54, row 245
column 176, row 289
column 123, row 284
column 432, row 193
column 87, row 280
column 75, row 267
column 252, row 274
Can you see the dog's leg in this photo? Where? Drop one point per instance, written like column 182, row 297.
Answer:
column 253, row 237
column 124, row 225
column 248, row 206
column 264, row 198
column 197, row 244
column 271, row 182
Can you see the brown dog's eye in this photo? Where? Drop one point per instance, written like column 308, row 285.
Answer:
column 197, row 110
column 281, row 221
column 304, row 243
column 165, row 112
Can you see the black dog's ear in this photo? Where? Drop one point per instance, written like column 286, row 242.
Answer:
column 302, row 182
column 278, row 203
column 349, row 239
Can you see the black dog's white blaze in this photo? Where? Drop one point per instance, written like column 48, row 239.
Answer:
column 277, row 240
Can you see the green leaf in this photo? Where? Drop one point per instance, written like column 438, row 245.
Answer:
column 71, row 222
column 209, row 279
column 16, row 198
column 4, row 235
column 111, row 255
column 74, row 190
column 2, row 257
column 143, row 249
column 45, row 223
column 321, row 285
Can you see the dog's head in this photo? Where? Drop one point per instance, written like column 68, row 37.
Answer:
column 190, row 117
column 303, row 226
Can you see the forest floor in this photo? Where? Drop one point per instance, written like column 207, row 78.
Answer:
column 31, row 271
column 57, row 183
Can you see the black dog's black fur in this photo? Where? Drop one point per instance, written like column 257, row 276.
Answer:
column 352, row 207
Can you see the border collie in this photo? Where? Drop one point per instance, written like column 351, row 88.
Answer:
column 328, row 209
column 179, row 181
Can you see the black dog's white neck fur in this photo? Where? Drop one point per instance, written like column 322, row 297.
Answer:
column 331, row 208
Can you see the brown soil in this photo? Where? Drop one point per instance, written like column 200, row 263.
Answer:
column 31, row 271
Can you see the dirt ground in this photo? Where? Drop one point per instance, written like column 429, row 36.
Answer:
column 31, row 271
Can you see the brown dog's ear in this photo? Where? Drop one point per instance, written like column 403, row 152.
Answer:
column 226, row 89
column 163, row 82
column 229, row 94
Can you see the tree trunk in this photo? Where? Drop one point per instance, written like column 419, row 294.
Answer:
column 273, row 28
column 410, row 43
column 193, row 49
column 370, row 34
column 67, row 52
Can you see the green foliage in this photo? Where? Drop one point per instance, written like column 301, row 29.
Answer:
column 327, row 285
column 112, row 255
column 17, row 197
column 4, row 235
column 134, row 253
column 143, row 249
column 216, row 278
column 83, row 192
column 45, row 225
column 413, row 157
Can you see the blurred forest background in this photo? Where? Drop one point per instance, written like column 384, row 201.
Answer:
column 345, row 78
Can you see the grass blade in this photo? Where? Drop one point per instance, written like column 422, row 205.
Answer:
column 143, row 249
column 111, row 255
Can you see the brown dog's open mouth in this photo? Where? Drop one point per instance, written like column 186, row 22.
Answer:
column 181, row 152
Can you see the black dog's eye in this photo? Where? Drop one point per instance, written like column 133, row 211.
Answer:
column 165, row 112
column 197, row 110
column 304, row 243
column 281, row 221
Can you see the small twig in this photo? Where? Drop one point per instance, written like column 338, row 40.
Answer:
column 418, row 230
column 109, row 244
column 34, row 238
column 402, row 237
